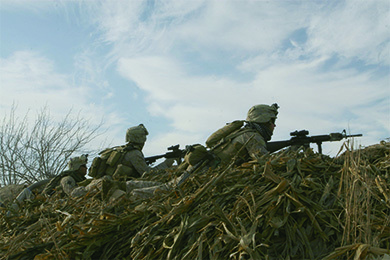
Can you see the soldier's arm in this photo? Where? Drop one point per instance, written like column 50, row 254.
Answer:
column 136, row 159
column 71, row 188
column 165, row 164
column 256, row 145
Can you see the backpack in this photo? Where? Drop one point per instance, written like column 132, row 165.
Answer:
column 219, row 136
column 108, row 160
column 220, row 141
column 195, row 154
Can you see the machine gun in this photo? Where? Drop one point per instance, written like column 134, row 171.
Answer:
column 301, row 138
column 175, row 153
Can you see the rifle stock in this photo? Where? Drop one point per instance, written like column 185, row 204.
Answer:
column 301, row 138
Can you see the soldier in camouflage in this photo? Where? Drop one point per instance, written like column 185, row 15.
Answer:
column 131, row 165
column 134, row 160
column 250, row 141
column 68, row 179
column 247, row 142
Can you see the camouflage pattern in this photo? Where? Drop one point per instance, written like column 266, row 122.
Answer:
column 254, row 143
column 136, row 134
column 72, row 189
column 68, row 184
column 262, row 113
column 136, row 160
column 130, row 161
column 197, row 153
column 138, row 184
column 56, row 181
column 147, row 189
column 76, row 162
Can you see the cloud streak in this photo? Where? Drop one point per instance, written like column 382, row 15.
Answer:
column 200, row 64
column 312, row 77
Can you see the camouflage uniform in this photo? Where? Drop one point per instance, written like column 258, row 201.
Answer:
column 246, row 143
column 69, row 185
column 27, row 193
column 131, row 165
column 250, row 141
column 68, row 179
column 146, row 189
column 134, row 159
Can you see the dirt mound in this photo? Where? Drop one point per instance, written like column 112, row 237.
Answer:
column 290, row 205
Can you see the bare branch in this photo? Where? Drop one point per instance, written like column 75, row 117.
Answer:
column 30, row 155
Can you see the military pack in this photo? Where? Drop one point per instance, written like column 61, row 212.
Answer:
column 195, row 154
column 108, row 161
column 221, row 134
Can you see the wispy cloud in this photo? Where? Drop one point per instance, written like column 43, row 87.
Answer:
column 200, row 64
column 31, row 81
column 310, row 77
column 352, row 29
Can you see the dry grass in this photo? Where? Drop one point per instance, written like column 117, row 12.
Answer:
column 291, row 205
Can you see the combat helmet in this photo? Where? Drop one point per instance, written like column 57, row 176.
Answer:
column 136, row 134
column 76, row 162
column 262, row 113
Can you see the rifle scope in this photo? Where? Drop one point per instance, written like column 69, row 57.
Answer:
column 301, row 133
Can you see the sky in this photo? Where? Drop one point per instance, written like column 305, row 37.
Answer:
column 186, row 68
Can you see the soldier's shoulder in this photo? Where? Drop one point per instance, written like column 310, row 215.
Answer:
column 253, row 135
column 134, row 152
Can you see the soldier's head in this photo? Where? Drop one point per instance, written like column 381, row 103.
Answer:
column 136, row 135
column 264, row 115
column 79, row 164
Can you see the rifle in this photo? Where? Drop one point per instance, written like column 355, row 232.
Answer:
column 176, row 153
column 301, row 138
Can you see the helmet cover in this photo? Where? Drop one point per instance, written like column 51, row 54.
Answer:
column 76, row 162
column 136, row 134
column 262, row 113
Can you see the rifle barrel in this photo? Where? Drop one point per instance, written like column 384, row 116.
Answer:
column 356, row 135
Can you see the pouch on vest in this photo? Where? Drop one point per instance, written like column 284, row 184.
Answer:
column 221, row 133
column 107, row 161
column 226, row 153
column 114, row 158
column 98, row 167
column 93, row 170
column 110, row 170
column 106, row 153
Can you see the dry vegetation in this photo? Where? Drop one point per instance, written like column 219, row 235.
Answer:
column 290, row 205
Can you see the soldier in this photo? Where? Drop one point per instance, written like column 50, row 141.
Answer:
column 133, row 162
column 249, row 141
column 68, row 179
column 246, row 143
column 122, row 163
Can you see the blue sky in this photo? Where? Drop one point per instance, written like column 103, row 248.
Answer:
column 185, row 68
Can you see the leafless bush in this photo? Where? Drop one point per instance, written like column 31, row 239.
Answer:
column 32, row 151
